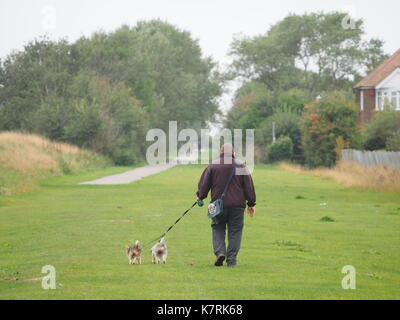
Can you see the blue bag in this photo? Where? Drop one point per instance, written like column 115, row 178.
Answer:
column 217, row 207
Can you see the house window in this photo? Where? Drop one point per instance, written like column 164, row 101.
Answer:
column 388, row 99
column 393, row 102
column 398, row 100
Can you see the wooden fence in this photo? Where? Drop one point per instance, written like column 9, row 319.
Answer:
column 372, row 158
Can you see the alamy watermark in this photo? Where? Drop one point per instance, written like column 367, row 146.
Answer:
column 196, row 150
column 349, row 280
column 348, row 22
column 49, row 280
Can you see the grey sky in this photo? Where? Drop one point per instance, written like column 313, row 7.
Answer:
column 213, row 22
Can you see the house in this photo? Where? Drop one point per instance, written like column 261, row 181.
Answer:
column 379, row 89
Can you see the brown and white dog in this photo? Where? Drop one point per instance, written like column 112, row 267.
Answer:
column 159, row 252
column 134, row 253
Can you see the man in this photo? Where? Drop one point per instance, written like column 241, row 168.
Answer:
column 240, row 190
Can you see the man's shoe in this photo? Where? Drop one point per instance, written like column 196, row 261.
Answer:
column 220, row 260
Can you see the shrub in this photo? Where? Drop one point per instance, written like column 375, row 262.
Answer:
column 393, row 143
column 281, row 149
column 380, row 130
column 286, row 124
column 324, row 122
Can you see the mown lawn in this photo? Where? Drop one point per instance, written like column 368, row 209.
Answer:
column 287, row 251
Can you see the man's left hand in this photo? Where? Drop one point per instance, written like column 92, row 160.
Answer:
column 251, row 211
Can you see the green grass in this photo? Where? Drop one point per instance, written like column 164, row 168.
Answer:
column 287, row 252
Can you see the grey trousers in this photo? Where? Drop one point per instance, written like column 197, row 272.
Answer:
column 233, row 218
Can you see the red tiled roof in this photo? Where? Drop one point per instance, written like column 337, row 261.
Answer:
column 381, row 72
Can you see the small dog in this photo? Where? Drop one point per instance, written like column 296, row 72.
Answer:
column 159, row 252
column 134, row 253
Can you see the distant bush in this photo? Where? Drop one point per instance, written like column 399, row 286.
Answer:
column 382, row 130
column 393, row 143
column 326, row 120
column 281, row 149
column 286, row 124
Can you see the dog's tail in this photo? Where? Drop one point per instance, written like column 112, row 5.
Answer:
column 137, row 245
column 162, row 240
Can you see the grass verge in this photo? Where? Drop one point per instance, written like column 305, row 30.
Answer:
column 26, row 158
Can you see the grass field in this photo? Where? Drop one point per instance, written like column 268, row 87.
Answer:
column 305, row 230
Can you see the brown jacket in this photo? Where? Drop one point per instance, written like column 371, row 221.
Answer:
column 215, row 177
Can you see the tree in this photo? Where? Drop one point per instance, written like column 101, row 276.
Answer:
column 312, row 52
column 43, row 69
column 326, row 120
column 165, row 68
column 292, row 100
column 252, row 103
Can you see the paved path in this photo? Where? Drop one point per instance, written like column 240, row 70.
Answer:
column 131, row 175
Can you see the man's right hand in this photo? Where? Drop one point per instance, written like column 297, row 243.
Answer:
column 251, row 211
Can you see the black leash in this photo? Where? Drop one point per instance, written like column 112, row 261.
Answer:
column 173, row 225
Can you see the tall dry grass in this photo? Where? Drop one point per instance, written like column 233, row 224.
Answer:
column 24, row 158
column 354, row 175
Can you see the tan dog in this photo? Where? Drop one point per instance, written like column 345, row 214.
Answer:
column 159, row 252
column 134, row 253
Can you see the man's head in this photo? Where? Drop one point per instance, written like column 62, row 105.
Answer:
column 227, row 149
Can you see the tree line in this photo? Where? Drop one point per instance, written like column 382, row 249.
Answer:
column 105, row 91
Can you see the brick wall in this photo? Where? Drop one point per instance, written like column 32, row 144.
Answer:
column 365, row 115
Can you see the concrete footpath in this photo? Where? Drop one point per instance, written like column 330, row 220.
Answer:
column 131, row 175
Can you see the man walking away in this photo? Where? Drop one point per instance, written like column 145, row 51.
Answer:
column 240, row 190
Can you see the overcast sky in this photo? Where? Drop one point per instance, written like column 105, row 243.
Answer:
column 212, row 22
